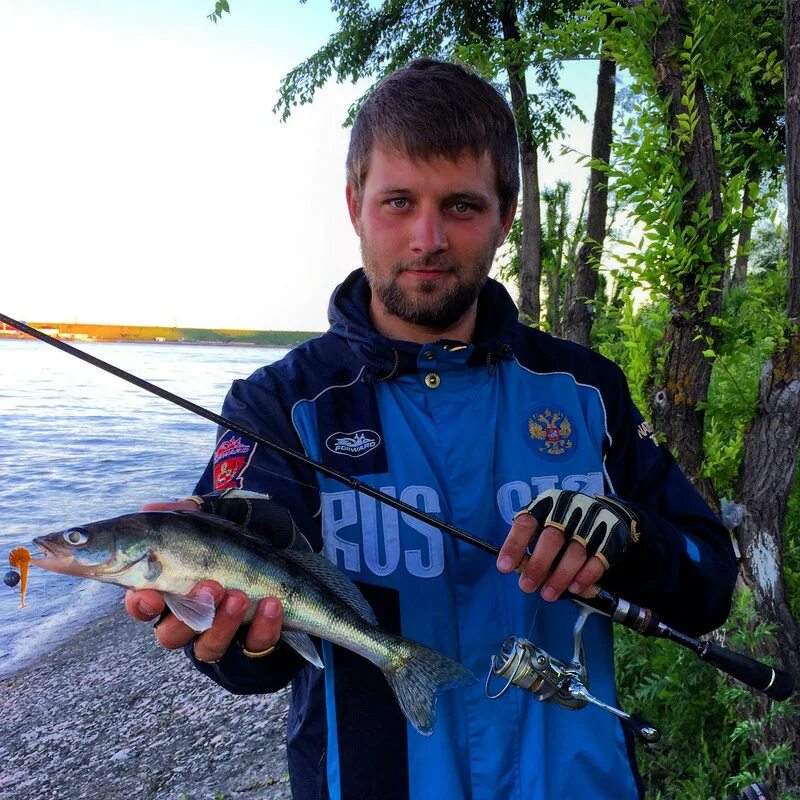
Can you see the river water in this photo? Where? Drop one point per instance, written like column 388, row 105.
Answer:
column 78, row 445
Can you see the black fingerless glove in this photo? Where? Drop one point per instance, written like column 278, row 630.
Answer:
column 258, row 513
column 605, row 526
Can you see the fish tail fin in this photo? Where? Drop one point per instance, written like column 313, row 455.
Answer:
column 418, row 676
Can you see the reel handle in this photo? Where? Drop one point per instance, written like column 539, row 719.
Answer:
column 775, row 683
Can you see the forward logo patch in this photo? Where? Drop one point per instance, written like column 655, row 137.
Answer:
column 354, row 444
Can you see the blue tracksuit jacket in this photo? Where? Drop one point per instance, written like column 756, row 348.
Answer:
column 470, row 435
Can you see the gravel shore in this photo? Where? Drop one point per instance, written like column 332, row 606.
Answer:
column 111, row 715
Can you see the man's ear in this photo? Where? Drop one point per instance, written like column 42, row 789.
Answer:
column 508, row 221
column 353, row 207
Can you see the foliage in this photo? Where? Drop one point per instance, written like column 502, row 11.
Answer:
column 375, row 39
column 220, row 7
column 751, row 327
column 707, row 747
column 791, row 545
column 629, row 338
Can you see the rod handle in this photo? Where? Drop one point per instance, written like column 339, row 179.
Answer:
column 775, row 683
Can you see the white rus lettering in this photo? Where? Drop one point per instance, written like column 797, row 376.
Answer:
column 338, row 512
column 541, row 483
column 425, row 498
column 389, row 532
column 591, row 483
column 511, row 497
column 515, row 495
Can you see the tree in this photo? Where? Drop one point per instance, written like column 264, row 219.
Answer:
column 748, row 107
column 772, row 442
column 553, row 245
column 582, row 289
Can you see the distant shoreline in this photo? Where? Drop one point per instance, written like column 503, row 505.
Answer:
column 76, row 332
column 25, row 338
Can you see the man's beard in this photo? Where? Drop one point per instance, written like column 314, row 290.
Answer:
column 430, row 306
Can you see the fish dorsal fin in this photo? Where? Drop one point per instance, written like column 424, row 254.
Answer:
column 301, row 642
column 196, row 611
column 327, row 573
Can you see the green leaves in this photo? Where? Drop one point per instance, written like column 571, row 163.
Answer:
column 219, row 8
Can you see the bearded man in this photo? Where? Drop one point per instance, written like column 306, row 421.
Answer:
column 428, row 388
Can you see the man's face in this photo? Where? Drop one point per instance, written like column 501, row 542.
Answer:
column 429, row 231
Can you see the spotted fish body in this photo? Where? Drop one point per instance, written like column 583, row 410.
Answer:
column 172, row 551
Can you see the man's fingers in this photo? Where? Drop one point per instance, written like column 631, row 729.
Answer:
column 548, row 546
column 212, row 644
column 588, row 576
column 265, row 629
column 522, row 531
column 144, row 605
column 570, row 565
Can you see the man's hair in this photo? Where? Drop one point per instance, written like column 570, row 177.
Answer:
column 434, row 108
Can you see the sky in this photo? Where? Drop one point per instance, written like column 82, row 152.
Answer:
column 145, row 179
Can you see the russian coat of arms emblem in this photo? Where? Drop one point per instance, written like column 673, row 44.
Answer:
column 551, row 430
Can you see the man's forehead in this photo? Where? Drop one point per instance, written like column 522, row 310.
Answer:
column 394, row 152
column 390, row 164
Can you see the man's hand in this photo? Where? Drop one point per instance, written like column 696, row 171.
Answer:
column 211, row 645
column 573, row 538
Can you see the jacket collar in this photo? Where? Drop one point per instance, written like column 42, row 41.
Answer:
column 348, row 314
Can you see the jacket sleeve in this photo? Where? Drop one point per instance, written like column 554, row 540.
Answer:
column 683, row 566
column 240, row 463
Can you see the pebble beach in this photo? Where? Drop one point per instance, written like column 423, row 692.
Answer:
column 109, row 715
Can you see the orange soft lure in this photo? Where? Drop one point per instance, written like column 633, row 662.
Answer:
column 20, row 558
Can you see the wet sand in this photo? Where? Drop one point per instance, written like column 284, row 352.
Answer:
column 109, row 715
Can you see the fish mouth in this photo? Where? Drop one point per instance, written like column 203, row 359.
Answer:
column 44, row 550
column 50, row 557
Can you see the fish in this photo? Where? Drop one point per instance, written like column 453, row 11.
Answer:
column 171, row 551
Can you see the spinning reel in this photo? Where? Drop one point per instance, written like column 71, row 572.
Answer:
column 528, row 667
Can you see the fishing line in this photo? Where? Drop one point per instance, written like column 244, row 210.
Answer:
column 535, row 614
column 285, row 478
column 775, row 683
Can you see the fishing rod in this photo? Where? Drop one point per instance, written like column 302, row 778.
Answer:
column 521, row 662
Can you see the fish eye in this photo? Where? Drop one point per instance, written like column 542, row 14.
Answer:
column 76, row 536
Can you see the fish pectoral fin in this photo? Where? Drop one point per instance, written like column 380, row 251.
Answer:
column 301, row 642
column 197, row 611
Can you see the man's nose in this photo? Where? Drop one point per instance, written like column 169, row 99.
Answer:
column 428, row 233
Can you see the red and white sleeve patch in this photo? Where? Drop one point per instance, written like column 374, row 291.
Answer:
column 231, row 459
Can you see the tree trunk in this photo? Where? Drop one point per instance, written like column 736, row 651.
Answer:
column 572, row 252
column 772, row 444
column 530, row 251
column 578, row 305
column 556, row 231
column 765, row 481
column 742, row 256
column 687, row 371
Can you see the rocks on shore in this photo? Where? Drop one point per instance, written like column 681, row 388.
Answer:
column 111, row 715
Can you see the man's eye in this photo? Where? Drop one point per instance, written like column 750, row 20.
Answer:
column 398, row 202
column 462, row 208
